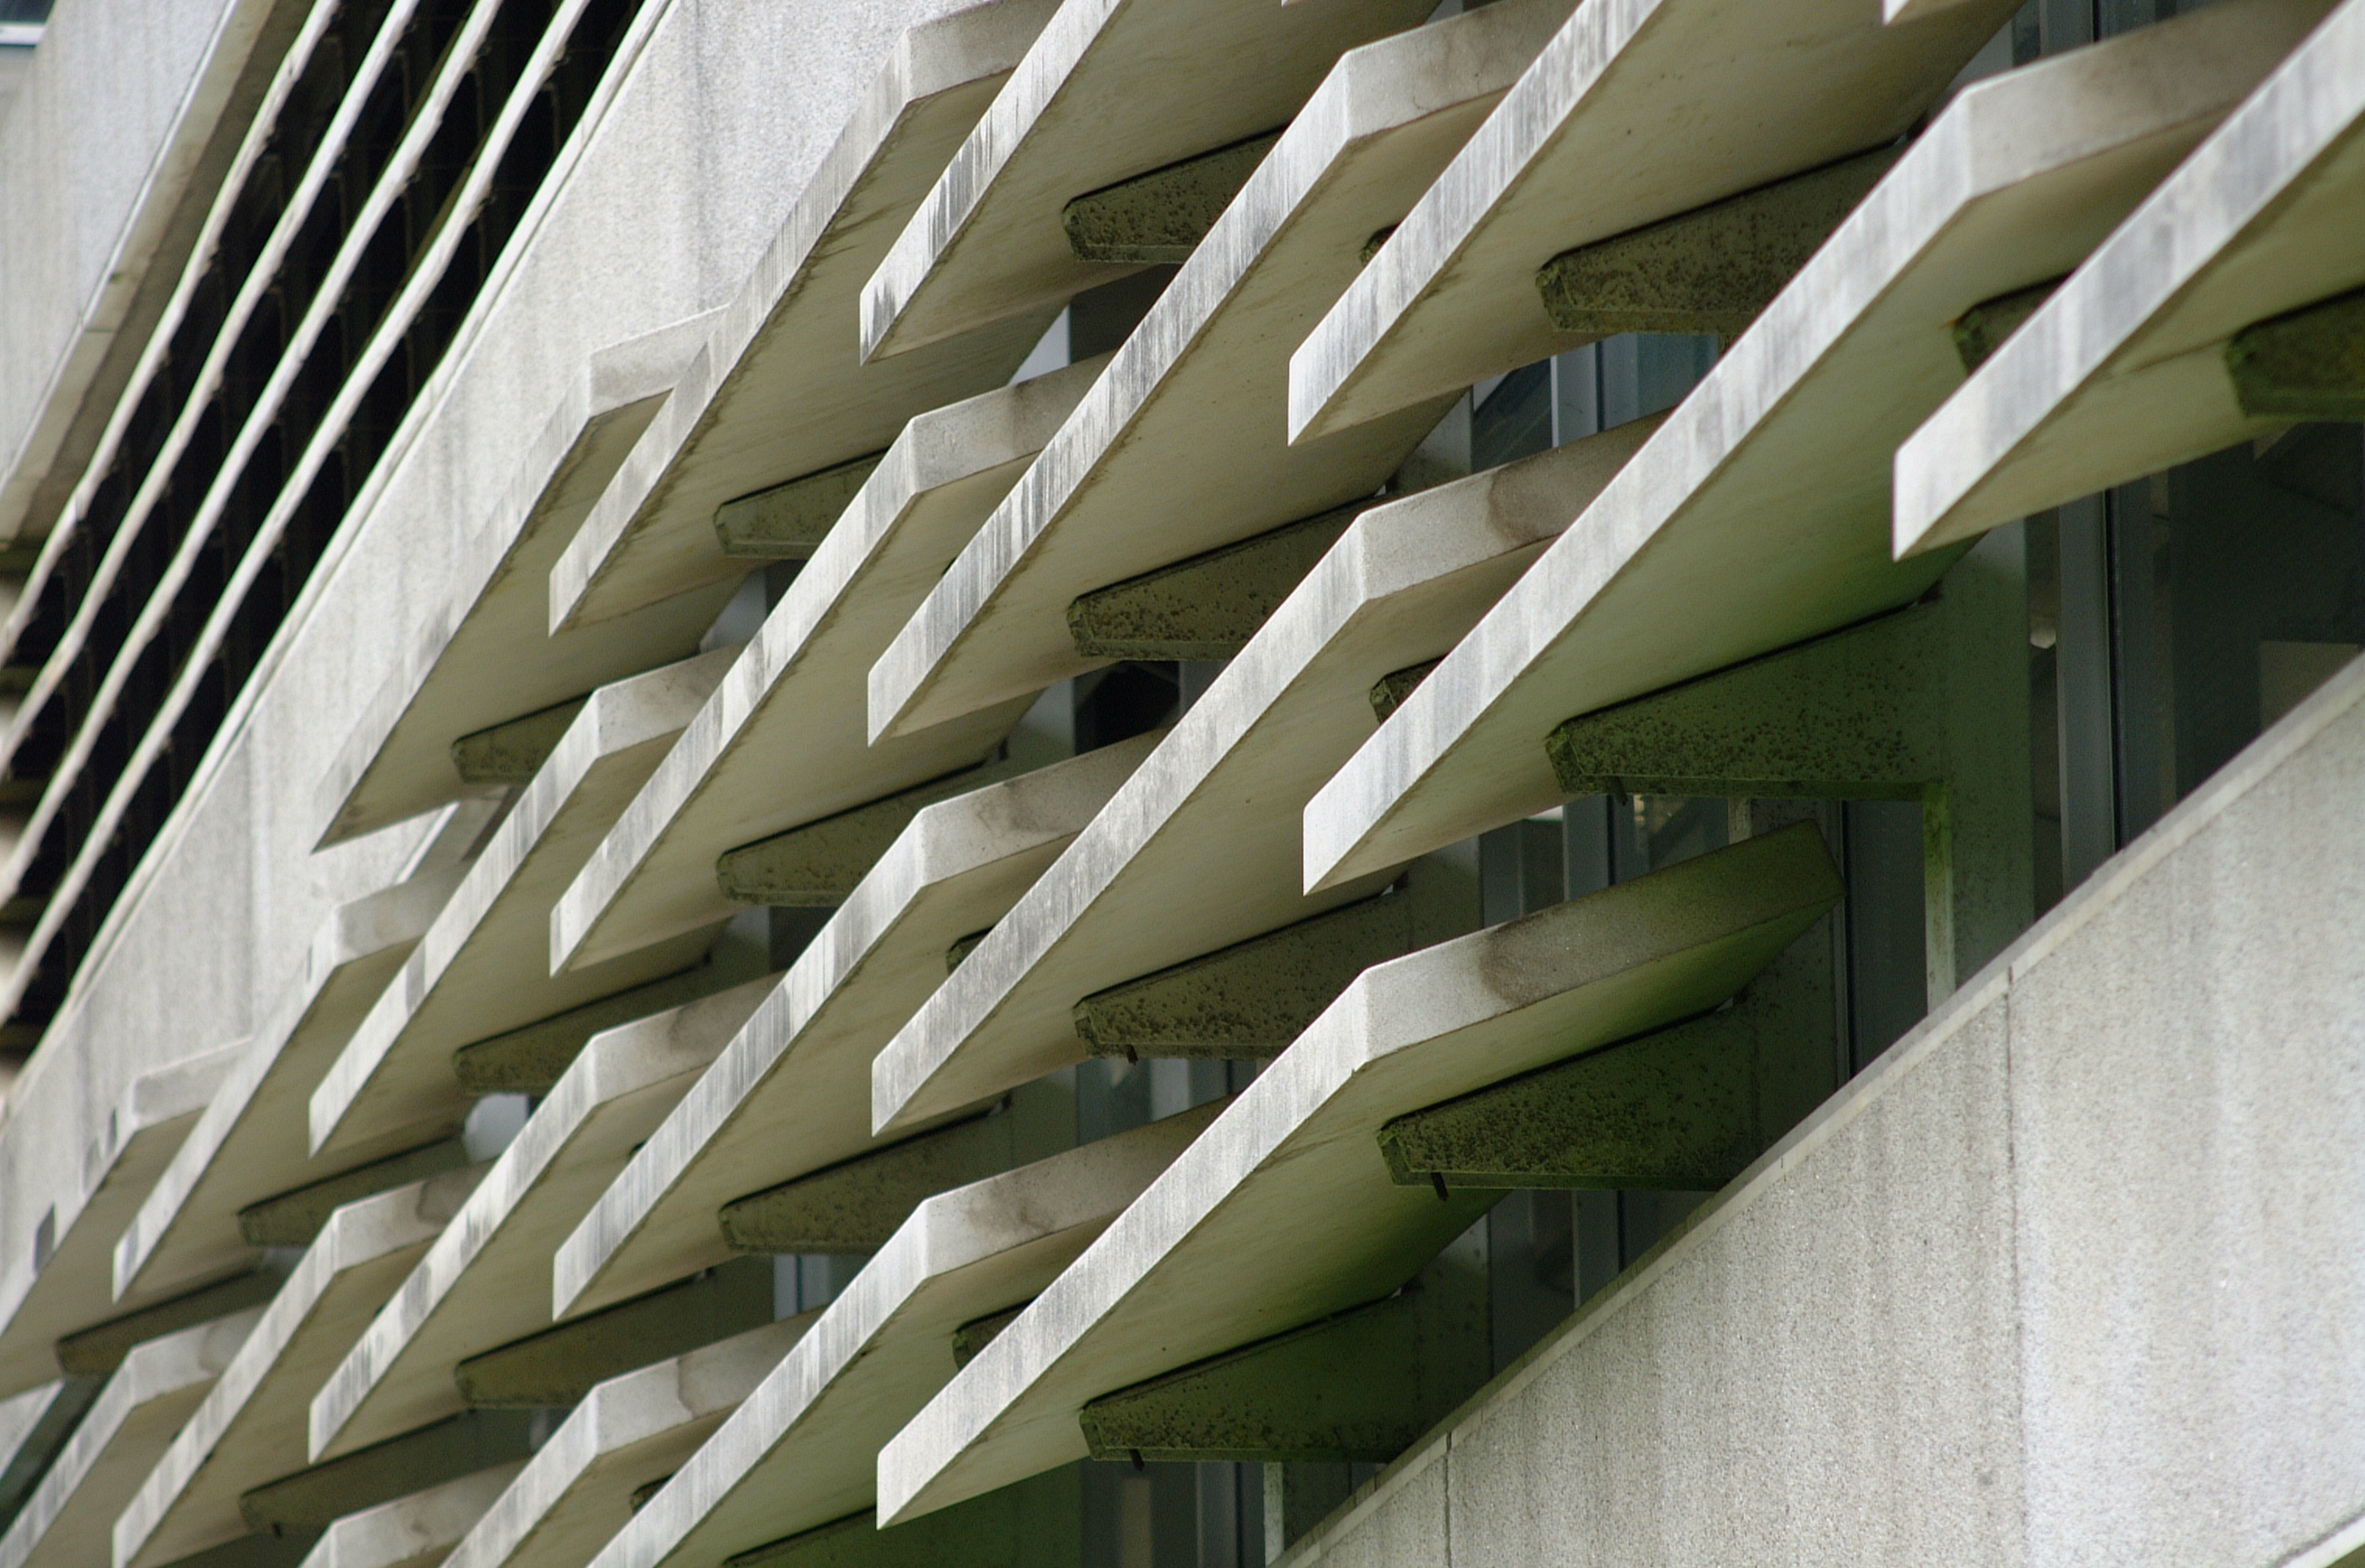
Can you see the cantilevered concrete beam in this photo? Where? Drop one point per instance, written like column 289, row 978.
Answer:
column 97, row 1352
column 1757, row 517
column 482, row 1283
column 783, row 743
column 1138, row 891
column 1209, row 606
column 512, row 752
column 560, row 1367
column 856, row 1206
column 1160, row 216
column 293, row 1219
column 479, row 970
column 2307, row 364
column 788, row 521
column 1107, row 92
column 320, row 1494
column 777, row 390
column 34, row 1425
column 791, row 1093
column 1128, row 486
column 1223, row 1250
column 801, row 1452
column 251, row 1423
column 818, row 865
column 415, row 1530
column 2124, row 372
column 1035, row 1524
column 1451, row 298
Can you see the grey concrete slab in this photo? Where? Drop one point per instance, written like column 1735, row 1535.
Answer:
column 1126, row 486
column 249, row 1428
column 777, row 390
column 486, row 653
column 1591, row 144
column 417, row 1531
column 1138, row 890
column 1283, row 1211
column 1758, row 514
column 1112, row 89
column 573, row 1497
column 792, row 706
column 478, row 972
column 481, row 1284
column 67, row 1519
column 2123, row 371
column 799, row 1452
column 70, row 1248
column 790, row 1096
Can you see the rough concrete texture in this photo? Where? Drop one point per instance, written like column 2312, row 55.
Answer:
column 1127, row 485
column 1137, row 891
column 792, row 707
column 1389, row 692
column 789, row 521
column 2004, row 1213
column 1207, row 607
column 1710, row 270
column 39, row 1421
column 1981, row 330
column 250, row 1424
column 798, row 1453
column 531, row 1059
column 818, row 865
column 856, row 1206
column 1451, row 298
column 482, row 1283
column 573, row 1495
column 293, row 1219
column 2309, row 365
column 1035, row 1524
column 319, row 1495
column 791, row 1095
column 98, row 1351
column 2122, row 372
column 1211, row 1257
column 559, row 1366
column 512, row 753
column 1760, row 506
column 413, row 1532
column 1160, row 216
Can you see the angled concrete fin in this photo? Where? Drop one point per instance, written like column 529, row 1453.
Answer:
column 2307, row 364
column 818, row 864
column 1162, row 216
column 512, row 752
column 856, row 1206
column 97, row 1350
column 789, row 521
column 1209, row 606
column 1981, row 330
column 459, row 1445
column 531, row 1059
column 1033, row 1524
column 293, row 1219
column 559, row 1366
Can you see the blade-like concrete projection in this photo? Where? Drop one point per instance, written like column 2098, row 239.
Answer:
column 250, row 1427
column 67, row 1519
column 1112, row 89
column 1139, row 889
column 799, row 1452
column 1127, row 485
column 791, row 1093
column 2124, row 372
column 486, row 654
column 251, row 1142
column 1636, row 112
column 415, row 1531
column 69, row 1288
column 574, row 1495
column 1283, row 1211
column 479, row 970
column 782, row 742
column 1759, row 515
column 482, row 1283
column 777, row 391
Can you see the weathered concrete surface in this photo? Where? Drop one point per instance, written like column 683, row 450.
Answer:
column 416, row 1531
column 1035, row 1524
column 776, row 389
column 790, row 1096
column 477, row 971
column 856, row 1206
column 789, row 521
column 818, row 865
column 2308, row 364
column 98, row 1350
column 799, row 1452
column 67, row 1519
column 250, row 1426
column 36, row 1423
column 1222, row 1250
column 1451, row 298
column 570, row 1500
column 1956, row 1315
column 1127, row 485
column 293, row 1219
column 320, row 1494
column 559, row 1366
column 531, row 1059
column 1137, row 891
column 1112, row 89
column 250, row 1141
column 482, row 1283
column 792, row 706
column 1209, row 606
column 1761, row 507
column 1158, row 218
column 508, row 755
column 2122, row 372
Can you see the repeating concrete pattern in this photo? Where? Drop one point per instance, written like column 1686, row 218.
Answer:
column 414, row 1532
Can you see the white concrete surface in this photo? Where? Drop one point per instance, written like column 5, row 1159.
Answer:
column 780, row 742
column 776, row 391
column 1757, row 516
column 572, row 1498
column 478, row 972
column 1138, row 890
column 791, row 1095
column 416, row 1531
column 1112, row 89
column 250, row 1427
column 2121, row 373
column 482, row 1283
column 799, row 1452
column 1127, row 485
column 1637, row 111
column 67, row 1519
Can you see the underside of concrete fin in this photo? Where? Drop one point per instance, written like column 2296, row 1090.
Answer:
column 854, row 1206
column 512, row 752
column 1209, row 606
column 1162, row 216
column 789, row 521
column 559, row 1366
column 1981, row 330
column 1033, row 1524
column 531, row 1059
column 1389, row 692
column 293, row 1219
column 978, row 1332
column 2308, row 364
column 99, row 1350
column 459, row 1445
column 817, row 866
